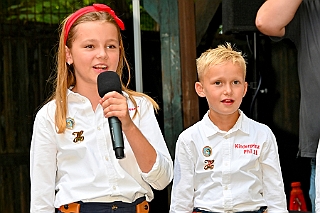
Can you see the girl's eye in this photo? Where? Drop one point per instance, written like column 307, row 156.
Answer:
column 89, row 46
column 217, row 83
column 111, row 46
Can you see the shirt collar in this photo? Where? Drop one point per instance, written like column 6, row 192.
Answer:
column 74, row 97
column 211, row 129
column 70, row 92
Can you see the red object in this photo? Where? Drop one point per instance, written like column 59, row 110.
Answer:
column 88, row 9
column 297, row 202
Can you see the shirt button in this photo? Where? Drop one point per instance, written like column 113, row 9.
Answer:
column 226, row 188
column 98, row 128
column 106, row 158
column 114, row 187
column 83, row 100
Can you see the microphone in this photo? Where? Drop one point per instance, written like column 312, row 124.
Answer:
column 109, row 81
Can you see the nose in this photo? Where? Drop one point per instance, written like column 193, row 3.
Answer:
column 227, row 90
column 102, row 53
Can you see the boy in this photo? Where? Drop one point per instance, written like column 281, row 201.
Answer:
column 226, row 162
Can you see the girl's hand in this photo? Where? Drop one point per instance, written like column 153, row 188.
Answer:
column 115, row 104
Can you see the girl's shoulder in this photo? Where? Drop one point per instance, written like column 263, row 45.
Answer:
column 48, row 109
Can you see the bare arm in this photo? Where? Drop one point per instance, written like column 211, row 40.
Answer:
column 142, row 149
column 115, row 104
column 274, row 15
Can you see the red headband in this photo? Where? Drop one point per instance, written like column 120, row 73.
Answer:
column 88, row 9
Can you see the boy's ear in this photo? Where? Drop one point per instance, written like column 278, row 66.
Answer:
column 69, row 59
column 199, row 89
column 245, row 88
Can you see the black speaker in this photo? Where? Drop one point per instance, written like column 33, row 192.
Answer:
column 239, row 15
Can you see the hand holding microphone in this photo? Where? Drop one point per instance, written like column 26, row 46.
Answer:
column 109, row 81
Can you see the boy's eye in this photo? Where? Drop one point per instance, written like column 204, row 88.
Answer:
column 89, row 46
column 217, row 83
column 236, row 82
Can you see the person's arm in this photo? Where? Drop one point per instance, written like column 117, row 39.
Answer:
column 145, row 139
column 182, row 193
column 274, row 15
column 161, row 172
column 42, row 167
column 273, row 187
column 115, row 104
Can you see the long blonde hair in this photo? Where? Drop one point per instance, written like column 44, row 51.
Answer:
column 65, row 74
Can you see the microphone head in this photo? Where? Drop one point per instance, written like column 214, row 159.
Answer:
column 108, row 81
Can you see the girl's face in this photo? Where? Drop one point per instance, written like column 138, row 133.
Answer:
column 95, row 49
column 224, row 87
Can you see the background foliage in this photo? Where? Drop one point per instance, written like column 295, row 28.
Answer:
column 54, row 11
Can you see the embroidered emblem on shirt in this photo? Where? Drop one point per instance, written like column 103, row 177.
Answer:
column 209, row 164
column 78, row 137
column 252, row 149
column 207, row 151
column 70, row 123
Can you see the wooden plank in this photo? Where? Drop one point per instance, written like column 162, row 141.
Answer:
column 5, row 191
column 21, row 72
column 14, row 159
column 187, row 34
column 14, row 189
column 24, row 188
column 171, row 71
column 3, row 63
column 151, row 6
column 9, row 143
column 167, row 13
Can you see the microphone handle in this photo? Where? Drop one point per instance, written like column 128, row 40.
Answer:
column 116, row 136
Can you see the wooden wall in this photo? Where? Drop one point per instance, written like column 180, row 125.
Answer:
column 24, row 69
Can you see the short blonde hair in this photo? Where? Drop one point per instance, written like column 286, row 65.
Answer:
column 221, row 54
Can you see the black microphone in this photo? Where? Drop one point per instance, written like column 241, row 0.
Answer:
column 109, row 81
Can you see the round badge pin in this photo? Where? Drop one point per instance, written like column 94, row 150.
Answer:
column 207, row 151
column 70, row 123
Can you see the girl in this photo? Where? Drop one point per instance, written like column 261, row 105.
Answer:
column 72, row 162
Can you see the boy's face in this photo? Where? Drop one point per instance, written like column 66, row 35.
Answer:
column 224, row 87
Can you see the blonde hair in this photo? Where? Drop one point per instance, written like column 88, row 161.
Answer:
column 221, row 54
column 65, row 77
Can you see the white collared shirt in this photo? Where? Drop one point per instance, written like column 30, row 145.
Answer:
column 88, row 169
column 317, row 180
column 232, row 171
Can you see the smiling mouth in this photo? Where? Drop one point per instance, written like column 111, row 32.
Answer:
column 100, row 67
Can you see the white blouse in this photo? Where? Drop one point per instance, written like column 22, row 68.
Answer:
column 80, row 164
